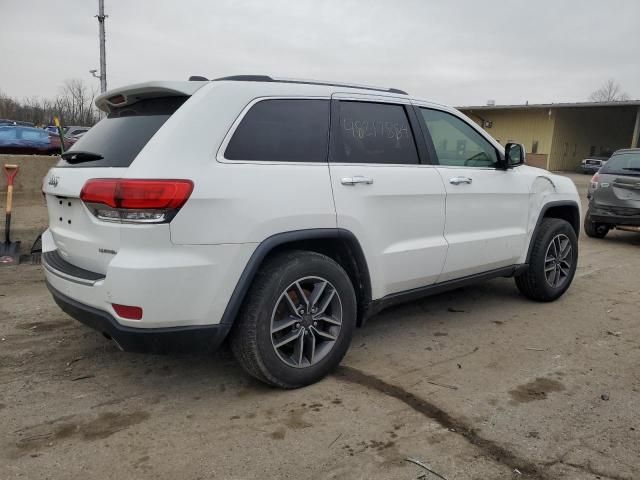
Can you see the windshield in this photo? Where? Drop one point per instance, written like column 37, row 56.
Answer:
column 119, row 138
column 626, row 163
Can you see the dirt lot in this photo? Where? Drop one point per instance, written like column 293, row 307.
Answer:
column 478, row 383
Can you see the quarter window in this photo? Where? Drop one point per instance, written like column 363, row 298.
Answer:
column 282, row 130
column 456, row 142
column 373, row 133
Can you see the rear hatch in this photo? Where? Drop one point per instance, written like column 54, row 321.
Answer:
column 619, row 183
column 104, row 152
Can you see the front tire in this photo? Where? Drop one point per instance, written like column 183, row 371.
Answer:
column 553, row 261
column 298, row 320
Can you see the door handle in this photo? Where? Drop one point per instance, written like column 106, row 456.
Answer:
column 356, row 179
column 459, row 180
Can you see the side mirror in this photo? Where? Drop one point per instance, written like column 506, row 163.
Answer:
column 514, row 154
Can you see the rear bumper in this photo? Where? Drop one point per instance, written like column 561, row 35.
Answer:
column 175, row 285
column 605, row 215
column 201, row 338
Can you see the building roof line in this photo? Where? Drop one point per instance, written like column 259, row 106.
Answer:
column 622, row 103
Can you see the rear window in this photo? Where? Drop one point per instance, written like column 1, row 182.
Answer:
column 283, row 130
column 623, row 164
column 125, row 131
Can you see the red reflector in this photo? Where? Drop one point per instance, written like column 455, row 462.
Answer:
column 126, row 311
column 137, row 194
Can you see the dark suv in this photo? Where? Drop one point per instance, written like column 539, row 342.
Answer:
column 614, row 200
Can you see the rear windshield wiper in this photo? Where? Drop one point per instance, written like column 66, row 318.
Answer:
column 635, row 169
column 79, row 156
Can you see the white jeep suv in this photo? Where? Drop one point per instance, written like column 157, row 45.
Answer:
column 280, row 214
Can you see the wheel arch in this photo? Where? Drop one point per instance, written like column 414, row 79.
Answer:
column 339, row 244
column 567, row 210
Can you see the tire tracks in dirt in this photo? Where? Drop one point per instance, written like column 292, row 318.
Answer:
column 490, row 449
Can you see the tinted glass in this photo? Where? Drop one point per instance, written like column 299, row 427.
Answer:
column 623, row 164
column 456, row 142
column 282, row 131
column 125, row 131
column 374, row 133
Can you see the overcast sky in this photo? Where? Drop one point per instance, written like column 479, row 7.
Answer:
column 457, row 52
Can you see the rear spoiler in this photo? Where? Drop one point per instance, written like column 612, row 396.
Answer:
column 130, row 94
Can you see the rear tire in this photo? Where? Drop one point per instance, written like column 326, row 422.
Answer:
column 303, row 296
column 595, row 230
column 553, row 261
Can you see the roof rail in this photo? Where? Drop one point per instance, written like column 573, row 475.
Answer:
column 266, row 78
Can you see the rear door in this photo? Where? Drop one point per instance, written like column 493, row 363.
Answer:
column 116, row 140
column 487, row 207
column 385, row 191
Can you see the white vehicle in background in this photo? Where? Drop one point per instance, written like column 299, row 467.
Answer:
column 281, row 214
column 592, row 165
column 76, row 132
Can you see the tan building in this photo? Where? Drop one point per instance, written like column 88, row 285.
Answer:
column 557, row 136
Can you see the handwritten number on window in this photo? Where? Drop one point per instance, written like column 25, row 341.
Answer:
column 362, row 128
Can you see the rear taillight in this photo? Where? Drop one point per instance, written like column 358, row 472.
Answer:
column 594, row 181
column 135, row 201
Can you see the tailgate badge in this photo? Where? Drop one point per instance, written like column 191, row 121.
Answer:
column 53, row 180
column 107, row 250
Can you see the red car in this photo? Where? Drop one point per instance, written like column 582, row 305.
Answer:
column 54, row 140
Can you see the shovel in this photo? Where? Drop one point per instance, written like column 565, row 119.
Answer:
column 9, row 251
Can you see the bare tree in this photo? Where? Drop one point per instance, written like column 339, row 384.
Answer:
column 74, row 106
column 610, row 91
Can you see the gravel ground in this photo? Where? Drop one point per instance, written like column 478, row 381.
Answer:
column 478, row 383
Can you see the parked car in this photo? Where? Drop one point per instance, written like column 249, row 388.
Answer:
column 294, row 211
column 53, row 130
column 77, row 136
column 54, row 139
column 16, row 139
column 592, row 165
column 75, row 132
column 614, row 195
column 72, row 133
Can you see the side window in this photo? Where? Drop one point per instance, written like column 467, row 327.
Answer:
column 456, row 143
column 282, row 130
column 373, row 133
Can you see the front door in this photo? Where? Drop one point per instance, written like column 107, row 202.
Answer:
column 487, row 207
column 386, row 193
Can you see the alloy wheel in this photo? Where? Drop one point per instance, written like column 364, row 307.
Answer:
column 558, row 261
column 306, row 322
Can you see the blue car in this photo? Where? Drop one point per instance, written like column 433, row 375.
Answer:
column 16, row 139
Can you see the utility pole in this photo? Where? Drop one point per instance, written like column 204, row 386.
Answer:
column 103, row 60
